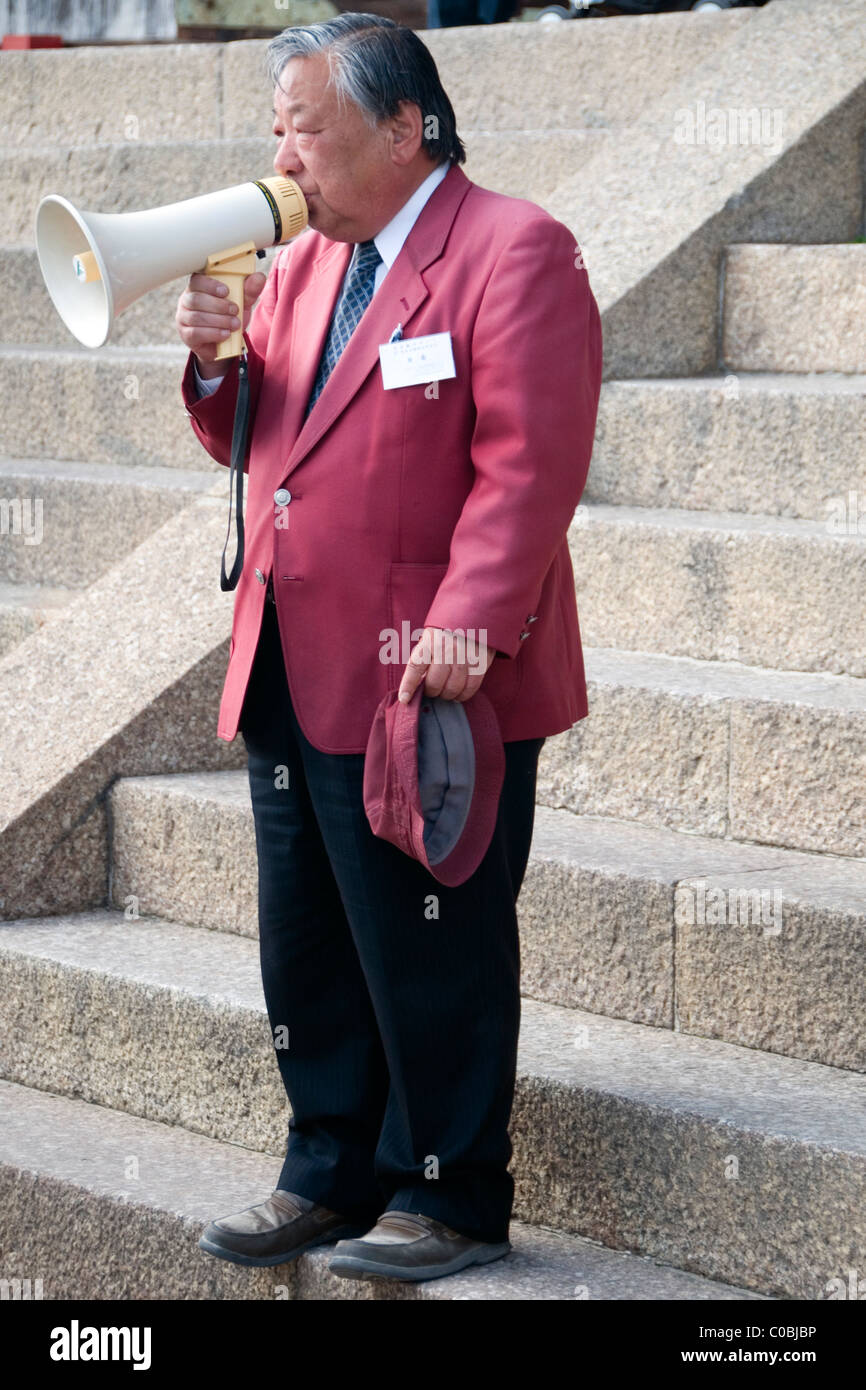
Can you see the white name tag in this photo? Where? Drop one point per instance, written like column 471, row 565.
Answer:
column 414, row 361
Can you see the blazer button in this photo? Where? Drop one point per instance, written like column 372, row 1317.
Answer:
column 523, row 634
column 533, row 618
column 282, row 497
column 260, row 577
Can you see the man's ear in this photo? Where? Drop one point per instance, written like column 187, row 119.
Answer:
column 406, row 132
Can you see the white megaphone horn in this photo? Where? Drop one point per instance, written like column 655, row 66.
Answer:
column 96, row 264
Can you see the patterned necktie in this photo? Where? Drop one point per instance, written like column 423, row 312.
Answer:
column 356, row 295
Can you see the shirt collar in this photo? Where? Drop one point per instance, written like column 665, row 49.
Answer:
column 389, row 242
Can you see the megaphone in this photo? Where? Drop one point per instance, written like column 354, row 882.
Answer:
column 96, row 264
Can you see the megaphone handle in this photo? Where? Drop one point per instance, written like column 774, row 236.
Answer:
column 231, row 268
column 234, row 345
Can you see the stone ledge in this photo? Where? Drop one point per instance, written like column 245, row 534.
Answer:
column 82, row 518
column 126, row 680
column 716, row 748
column 605, row 917
column 765, row 591
column 170, row 1022
column 63, row 1163
column 766, row 444
column 795, row 308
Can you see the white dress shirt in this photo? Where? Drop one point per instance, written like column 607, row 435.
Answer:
column 389, row 244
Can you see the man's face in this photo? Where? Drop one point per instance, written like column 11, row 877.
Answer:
column 343, row 166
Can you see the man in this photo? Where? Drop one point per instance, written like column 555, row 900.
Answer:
column 443, row 505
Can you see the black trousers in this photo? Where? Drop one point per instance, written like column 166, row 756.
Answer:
column 394, row 1001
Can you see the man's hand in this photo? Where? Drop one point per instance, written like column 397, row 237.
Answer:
column 453, row 667
column 206, row 316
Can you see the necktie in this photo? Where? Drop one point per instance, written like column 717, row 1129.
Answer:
column 356, row 295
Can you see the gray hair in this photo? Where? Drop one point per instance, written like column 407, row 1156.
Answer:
column 376, row 63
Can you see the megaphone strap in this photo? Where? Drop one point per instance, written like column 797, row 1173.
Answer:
column 236, row 478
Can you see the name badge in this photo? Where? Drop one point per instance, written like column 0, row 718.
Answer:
column 415, row 361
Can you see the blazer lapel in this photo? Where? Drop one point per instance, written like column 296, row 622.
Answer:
column 309, row 330
column 400, row 295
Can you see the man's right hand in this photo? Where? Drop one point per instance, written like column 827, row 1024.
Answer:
column 206, row 316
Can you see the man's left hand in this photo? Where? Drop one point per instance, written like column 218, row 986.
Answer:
column 448, row 664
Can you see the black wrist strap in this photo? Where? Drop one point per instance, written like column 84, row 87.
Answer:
column 236, row 477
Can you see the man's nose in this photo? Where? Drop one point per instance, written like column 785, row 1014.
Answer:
column 286, row 159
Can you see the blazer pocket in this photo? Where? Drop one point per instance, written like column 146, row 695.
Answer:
column 412, row 587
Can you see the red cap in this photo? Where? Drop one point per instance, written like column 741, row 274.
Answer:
column 433, row 773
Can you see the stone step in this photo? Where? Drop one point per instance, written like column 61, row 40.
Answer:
column 125, row 681
column 183, row 847
column 751, row 945
column 26, row 607
column 795, row 308
column 109, row 405
column 717, row 748
column 765, row 445
column 512, row 76
column 762, row 590
column 760, row 444
column 647, row 1140
column 713, row 748
column 86, row 1187
column 768, row 444
column 66, row 522
column 761, row 142
column 126, row 93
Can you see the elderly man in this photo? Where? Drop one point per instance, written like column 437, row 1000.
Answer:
column 443, row 504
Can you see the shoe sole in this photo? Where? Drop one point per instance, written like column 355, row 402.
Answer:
column 235, row 1257
column 357, row 1267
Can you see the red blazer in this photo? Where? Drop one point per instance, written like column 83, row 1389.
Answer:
column 445, row 510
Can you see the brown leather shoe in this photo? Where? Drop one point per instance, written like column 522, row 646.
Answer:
column 407, row 1245
column 275, row 1231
